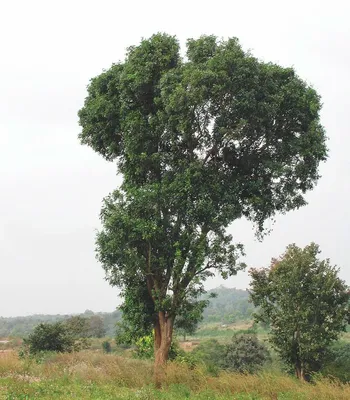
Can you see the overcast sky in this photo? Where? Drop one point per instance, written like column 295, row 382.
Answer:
column 52, row 187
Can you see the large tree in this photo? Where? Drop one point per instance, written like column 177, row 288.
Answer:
column 306, row 304
column 200, row 141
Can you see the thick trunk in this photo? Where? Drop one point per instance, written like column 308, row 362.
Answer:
column 162, row 339
column 157, row 337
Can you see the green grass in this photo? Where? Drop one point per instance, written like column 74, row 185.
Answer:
column 82, row 390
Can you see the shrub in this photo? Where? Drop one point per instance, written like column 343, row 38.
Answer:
column 211, row 352
column 245, row 354
column 106, row 347
column 337, row 362
column 49, row 337
column 145, row 348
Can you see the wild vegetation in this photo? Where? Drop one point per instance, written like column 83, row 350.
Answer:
column 236, row 363
column 91, row 375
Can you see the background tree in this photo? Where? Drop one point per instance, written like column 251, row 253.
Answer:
column 306, row 304
column 200, row 142
column 96, row 326
column 78, row 326
column 189, row 316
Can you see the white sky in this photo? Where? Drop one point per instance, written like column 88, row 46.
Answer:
column 52, row 187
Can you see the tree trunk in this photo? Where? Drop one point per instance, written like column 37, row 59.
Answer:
column 300, row 373
column 157, row 336
column 299, row 369
column 163, row 335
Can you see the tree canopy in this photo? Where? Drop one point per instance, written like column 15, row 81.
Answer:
column 201, row 141
column 306, row 304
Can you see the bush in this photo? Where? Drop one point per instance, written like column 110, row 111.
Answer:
column 106, row 347
column 211, row 352
column 245, row 354
column 49, row 337
column 145, row 348
column 338, row 362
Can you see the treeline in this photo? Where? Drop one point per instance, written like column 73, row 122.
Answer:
column 230, row 305
column 99, row 324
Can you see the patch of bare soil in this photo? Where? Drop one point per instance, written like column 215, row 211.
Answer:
column 189, row 346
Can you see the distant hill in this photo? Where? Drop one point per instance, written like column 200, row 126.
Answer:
column 230, row 305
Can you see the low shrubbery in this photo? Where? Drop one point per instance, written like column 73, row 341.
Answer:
column 49, row 337
column 338, row 362
column 106, row 347
column 244, row 354
column 93, row 375
column 144, row 348
column 60, row 337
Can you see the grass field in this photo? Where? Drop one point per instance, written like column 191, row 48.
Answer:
column 93, row 375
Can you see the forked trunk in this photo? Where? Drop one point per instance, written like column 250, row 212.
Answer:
column 163, row 334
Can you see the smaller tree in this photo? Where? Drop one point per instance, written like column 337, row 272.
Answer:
column 338, row 361
column 245, row 354
column 306, row 304
column 50, row 337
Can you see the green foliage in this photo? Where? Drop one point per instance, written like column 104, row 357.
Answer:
column 50, row 337
column 245, row 354
column 211, row 352
column 106, row 347
column 200, row 142
column 78, row 328
column 145, row 348
column 337, row 362
column 71, row 334
column 306, row 304
column 189, row 317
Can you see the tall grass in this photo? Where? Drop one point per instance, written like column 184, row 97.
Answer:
column 92, row 375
